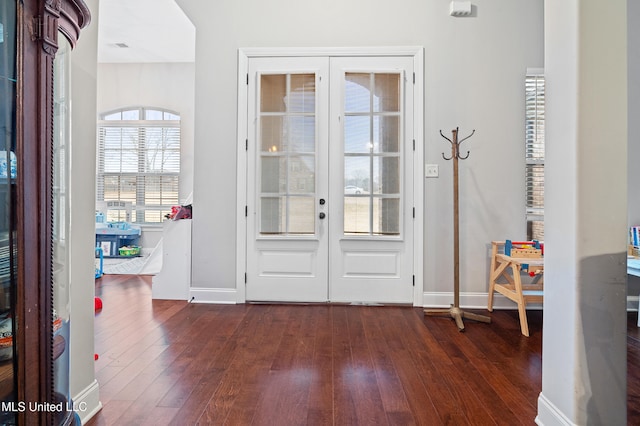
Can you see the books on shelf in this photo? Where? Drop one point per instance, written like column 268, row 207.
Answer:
column 634, row 236
column 634, row 241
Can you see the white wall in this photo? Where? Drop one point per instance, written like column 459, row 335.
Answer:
column 83, row 386
column 633, row 74
column 585, row 320
column 474, row 79
column 633, row 66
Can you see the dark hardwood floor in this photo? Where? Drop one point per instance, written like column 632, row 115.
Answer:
column 174, row 363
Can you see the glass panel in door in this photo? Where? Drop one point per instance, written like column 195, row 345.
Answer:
column 8, row 175
column 287, row 161
column 372, row 153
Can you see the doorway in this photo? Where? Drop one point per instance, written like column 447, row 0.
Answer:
column 331, row 179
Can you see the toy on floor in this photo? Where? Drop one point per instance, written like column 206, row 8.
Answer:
column 97, row 304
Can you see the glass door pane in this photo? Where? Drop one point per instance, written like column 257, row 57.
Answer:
column 8, row 174
column 287, row 155
column 372, row 153
column 61, row 214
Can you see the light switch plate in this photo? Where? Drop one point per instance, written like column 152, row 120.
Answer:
column 431, row 170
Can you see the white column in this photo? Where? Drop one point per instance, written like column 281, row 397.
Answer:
column 83, row 385
column 584, row 333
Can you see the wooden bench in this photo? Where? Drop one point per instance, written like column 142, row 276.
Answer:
column 509, row 268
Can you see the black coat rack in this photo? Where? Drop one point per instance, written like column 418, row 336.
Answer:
column 454, row 311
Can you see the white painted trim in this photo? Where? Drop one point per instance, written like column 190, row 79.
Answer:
column 550, row 415
column 470, row 300
column 87, row 402
column 418, row 176
column 225, row 296
column 241, row 176
column 535, row 71
column 257, row 52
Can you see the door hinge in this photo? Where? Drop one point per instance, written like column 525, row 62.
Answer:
column 245, row 278
column 246, row 144
column 414, row 144
column 246, row 211
column 414, row 280
column 414, row 78
column 414, row 212
column 247, row 79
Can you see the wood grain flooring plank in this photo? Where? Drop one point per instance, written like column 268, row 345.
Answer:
column 249, row 359
column 381, row 346
column 417, row 399
column 320, row 399
column 344, row 405
column 173, row 363
column 193, row 377
column 431, row 362
column 486, row 379
column 361, row 374
column 283, row 401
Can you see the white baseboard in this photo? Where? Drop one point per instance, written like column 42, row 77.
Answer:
column 550, row 415
column 479, row 301
column 87, row 403
column 213, row 295
column 470, row 301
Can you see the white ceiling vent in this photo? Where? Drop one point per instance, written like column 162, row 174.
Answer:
column 460, row 8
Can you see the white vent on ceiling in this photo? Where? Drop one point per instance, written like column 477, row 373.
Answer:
column 460, row 8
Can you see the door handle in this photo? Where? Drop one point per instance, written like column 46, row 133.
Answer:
column 322, row 201
column 322, row 215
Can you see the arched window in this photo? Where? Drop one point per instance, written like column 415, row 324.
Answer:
column 138, row 168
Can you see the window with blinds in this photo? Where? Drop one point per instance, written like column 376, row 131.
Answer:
column 138, row 164
column 534, row 154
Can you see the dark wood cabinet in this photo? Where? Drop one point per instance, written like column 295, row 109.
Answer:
column 32, row 32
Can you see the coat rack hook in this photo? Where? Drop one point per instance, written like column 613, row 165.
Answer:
column 462, row 140
column 441, row 134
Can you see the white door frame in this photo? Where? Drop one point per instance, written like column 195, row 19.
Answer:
column 244, row 54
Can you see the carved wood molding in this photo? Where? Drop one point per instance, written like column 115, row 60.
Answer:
column 65, row 16
column 74, row 16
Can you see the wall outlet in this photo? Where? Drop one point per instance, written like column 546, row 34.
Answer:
column 431, row 170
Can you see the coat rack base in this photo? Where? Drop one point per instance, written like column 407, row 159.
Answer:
column 458, row 314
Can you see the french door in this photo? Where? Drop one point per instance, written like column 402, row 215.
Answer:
column 330, row 179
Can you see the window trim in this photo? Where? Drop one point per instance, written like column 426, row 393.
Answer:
column 168, row 121
column 533, row 127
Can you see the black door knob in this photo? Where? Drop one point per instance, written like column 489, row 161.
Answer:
column 322, row 215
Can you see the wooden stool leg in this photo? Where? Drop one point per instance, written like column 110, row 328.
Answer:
column 492, row 278
column 522, row 306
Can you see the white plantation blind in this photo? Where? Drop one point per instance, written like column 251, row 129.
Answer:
column 534, row 153
column 139, row 163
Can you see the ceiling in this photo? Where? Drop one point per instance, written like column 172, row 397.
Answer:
column 144, row 31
